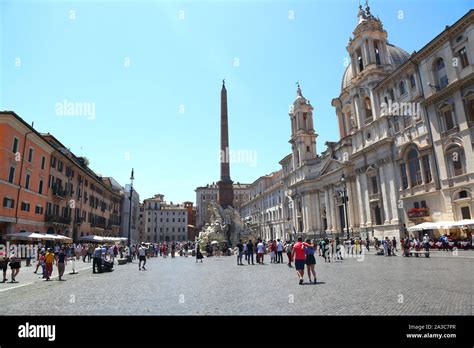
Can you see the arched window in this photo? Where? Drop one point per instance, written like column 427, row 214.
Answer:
column 368, row 109
column 377, row 53
column 414, row 168
column 360, row 61
column 456, row 160
column 441, row 77
column 401, row 88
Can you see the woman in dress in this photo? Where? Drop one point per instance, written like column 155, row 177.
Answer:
column 309, row 249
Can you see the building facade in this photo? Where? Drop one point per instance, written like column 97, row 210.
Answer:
column 406, row 135
column 209, row 193
column 24, row 172
column 45, row 188
column 164, row 221
column 263, row 212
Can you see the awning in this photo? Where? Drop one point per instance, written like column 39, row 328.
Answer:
column 440, row 225
column 93, row 238
column 463, row 223
column 38, row 236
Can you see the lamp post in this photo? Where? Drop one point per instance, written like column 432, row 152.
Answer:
column 345, row 198
column 129, row 258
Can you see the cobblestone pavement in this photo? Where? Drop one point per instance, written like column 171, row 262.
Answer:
column 440, row 285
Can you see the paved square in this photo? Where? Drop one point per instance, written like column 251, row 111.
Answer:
column 440, row 285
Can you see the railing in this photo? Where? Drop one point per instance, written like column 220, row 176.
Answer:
column 418, row 212
column 57, row 219
column 98, row 225
column 58, row 191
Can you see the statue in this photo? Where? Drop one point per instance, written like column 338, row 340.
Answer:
column 225, row 225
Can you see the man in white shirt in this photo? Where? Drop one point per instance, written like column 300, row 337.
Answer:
column 279, row 251
column 142, row 257
column 111, row 254
column 426, row 244
column 260, row 251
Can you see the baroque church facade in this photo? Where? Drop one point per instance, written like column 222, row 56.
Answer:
column 406, row 138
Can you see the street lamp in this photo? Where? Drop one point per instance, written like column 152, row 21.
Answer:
column 345, row 199
column 129, row 258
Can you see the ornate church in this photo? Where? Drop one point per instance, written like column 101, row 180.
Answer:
column 406, row 139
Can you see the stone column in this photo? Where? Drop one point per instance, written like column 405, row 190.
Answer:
column 365, row 54
column 328, row 209
column 350, row 205
column 357, row 111
column 362, row 211
column 365, row 199
column 385, row 195
column 317, row 212
column 393, row 194
column 371, row 51
column 333, row 209
column 374, row 104
column 422, row 169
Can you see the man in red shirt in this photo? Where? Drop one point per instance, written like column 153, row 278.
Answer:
column 299, row 256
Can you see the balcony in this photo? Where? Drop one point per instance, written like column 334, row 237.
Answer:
column 59, row 192
column 98, row 225
column 418, row 214
column 57, row 219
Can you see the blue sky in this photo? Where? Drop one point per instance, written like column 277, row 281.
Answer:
column 153, row 70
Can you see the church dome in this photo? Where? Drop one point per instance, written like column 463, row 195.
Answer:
column 397, row 57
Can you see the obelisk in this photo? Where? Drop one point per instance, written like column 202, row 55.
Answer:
column 225, row 196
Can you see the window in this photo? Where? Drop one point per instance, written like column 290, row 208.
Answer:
column 60, row 165
column 378, row 215
column 27, row 181
column 11, row 175
column 465, row 213
column 412, row 81
column 426, row 168
column 401, row 88
column 448, row 119
column 25, row 206
column 396, row 125
column 463, row 194
column 307, row 149
column 391, row 94
column 423, row 204
column 406, row 121
column 416, row 205
column 40, row 187
column 38, row 209
column 470, row 109
column 441, row 76
column 377, row 53
column 462, row 53
column 359, row 60
column 368, row 109
column 15, row 144
column 414, row 168
column 53, row 162
column 8, row 202
column 43, row 160
column 375, row 188
column 30, row 155
column 455, row 158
